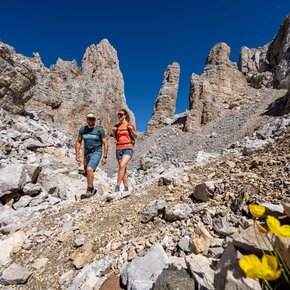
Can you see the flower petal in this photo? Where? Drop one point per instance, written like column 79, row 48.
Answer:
column 257, row 210
column 250, row 264
column 285, row 231
column 274, row 225
column 269, row 269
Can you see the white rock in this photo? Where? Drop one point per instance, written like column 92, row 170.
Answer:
column 12, row 178
column 142, row 272
column 22, row 202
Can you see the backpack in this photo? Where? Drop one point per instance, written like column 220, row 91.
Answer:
column 130, row 134
column 98, row 131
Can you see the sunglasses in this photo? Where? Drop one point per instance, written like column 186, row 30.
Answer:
column 120, row 114
column 91, row 119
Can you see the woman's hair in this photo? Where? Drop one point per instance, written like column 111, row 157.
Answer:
column 127, row 116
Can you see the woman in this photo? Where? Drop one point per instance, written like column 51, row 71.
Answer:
column 124, row 133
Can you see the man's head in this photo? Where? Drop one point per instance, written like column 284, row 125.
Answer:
column 91, row 119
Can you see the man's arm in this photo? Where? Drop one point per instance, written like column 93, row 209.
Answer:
column 105, row 146
column 78, row 146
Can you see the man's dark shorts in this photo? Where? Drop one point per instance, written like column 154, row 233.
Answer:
column 121, row 152
column 92, row 159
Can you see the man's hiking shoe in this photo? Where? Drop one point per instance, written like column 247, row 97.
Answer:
column 91, row 191
column 117, row 188
column 126, row 188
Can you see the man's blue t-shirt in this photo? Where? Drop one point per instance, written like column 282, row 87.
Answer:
column 92, row 138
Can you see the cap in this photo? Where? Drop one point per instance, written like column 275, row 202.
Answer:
column 91, row 115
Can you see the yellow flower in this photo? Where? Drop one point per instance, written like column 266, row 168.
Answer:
column 250, row 264
column 257, row 210
column 267, row 269
column 276, row 228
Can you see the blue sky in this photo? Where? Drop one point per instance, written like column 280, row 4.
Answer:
column 148, row 35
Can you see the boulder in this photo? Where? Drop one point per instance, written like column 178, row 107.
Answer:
column 283, row 246
column 273, row 209
column 142, row 272
column 201, row 270
column 253, row 146
column 15, row 274
column 14, row 240
column 12, row 178
column 251, row 241
column 229, row 275
column 32, row 189
column 172, row 279
column 178, row 212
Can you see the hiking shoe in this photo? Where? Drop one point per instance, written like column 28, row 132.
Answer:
column 126, row 188
column 89, row 193
column 117, row 188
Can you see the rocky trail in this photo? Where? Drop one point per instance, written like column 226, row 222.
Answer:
column 185, row 222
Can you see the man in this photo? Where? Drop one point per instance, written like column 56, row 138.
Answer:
column 94, row 140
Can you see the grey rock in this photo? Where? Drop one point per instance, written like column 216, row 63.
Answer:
column 184, row 244
column 201, row 270
column 172, row 279
column 273, row 209
column 286, row 206
column 203, row 191
column 229, row 275
column 17, row 80
column 178, row 212
column 251, row 242
column 15, row 274
column 283, row 246
column 253, row 146
column 142, row 272
column 91, row 270
column 32, row 189
column 12, row 178
column 165, row 103
column 33, row 144
column 223, row 227
column 33, row 171
column 80, row 241
column 22, row 202
column 154, row 208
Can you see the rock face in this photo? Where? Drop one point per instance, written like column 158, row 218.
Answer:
column 268, row 66
column 17, row 80
column 165, row 103
column 64, row 90
column 215, row 89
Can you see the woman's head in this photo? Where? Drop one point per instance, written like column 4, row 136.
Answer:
column 123, row 114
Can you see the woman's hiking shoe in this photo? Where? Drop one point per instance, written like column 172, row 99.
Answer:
column 126, row 188
column 117, row 188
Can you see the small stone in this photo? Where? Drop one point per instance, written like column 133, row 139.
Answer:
column 22, row 202
column 66, row 277
column 204, row 191
column 39, row 263
column 116, row 245
column 154, row 208
column 184, row 244
column 80, row 241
